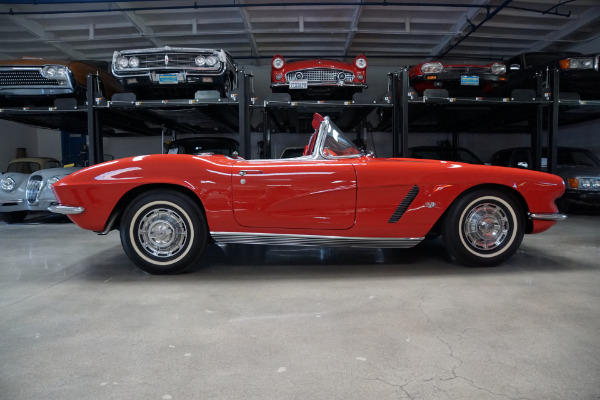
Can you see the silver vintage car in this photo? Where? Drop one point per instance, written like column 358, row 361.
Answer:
column 26, row 186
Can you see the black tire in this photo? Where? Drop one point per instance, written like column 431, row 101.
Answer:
column 163, row 232
column 483, row 228
column 13, row 217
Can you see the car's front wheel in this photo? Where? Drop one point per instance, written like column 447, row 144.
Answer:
column 483, row 228
column 163, row 232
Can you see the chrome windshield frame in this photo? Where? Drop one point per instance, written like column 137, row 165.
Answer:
column 325, row 128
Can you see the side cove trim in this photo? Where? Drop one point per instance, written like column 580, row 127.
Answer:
column 403, row 206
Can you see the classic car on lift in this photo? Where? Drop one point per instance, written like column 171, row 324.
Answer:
column 446, row 153
column 579, row 168
column 25, row 186
column 38, row 82
column 204, row 145
column 174, row 72
column 168, row 207
column 458, row 79
column 578, row 73
column 318, row 79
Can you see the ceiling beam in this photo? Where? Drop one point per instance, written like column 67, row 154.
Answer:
column 139, row 23
column 458, row 27
column 251, row 38
column 353, row 28
column 590, row 15
column 50, row 38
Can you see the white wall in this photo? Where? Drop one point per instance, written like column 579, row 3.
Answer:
column 13, row 136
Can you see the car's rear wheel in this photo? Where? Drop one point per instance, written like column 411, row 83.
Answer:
column 483, row 228
column 163, row 232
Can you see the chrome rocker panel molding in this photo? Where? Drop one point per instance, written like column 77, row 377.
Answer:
column 314, row 240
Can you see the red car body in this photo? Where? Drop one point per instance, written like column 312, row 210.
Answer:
column 458, row 79
column 334, row 196
column 319, row 78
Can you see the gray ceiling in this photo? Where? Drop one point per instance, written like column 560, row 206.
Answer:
column 388, row 32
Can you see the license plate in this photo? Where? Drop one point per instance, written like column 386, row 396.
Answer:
column 299, row 84
column 466, row 80
column 167, row 79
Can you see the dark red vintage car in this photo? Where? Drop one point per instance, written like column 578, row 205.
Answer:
column 38, row 82
column 318, row 79
column 169, row 206
column 457, row 79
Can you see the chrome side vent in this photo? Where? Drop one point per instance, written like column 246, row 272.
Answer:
column 34, row 185
column 403, row 206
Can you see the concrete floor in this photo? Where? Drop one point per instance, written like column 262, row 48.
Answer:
column 79, row 321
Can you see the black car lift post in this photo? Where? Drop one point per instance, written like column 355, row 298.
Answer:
column 96, row 153
column 553, row 123
column 400, row 113
column 243, row 79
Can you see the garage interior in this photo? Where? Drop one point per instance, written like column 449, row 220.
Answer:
column 79, row 320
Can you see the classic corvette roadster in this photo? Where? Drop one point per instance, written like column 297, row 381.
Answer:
column 169, row 206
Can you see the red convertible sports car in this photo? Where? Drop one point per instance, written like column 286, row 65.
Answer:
column 318, row 79
column 169, row 206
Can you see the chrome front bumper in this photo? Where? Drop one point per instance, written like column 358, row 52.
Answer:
column 66, row 209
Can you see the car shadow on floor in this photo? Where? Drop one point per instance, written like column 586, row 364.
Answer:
column 257, row 262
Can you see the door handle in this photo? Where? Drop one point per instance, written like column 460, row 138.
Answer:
column 250, row 171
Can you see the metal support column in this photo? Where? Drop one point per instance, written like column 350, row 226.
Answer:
column 400, row 113
column 96, row 147
column 244, row 113
column 538, row 129
column 553, row 123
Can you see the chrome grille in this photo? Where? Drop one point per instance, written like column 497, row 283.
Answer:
column 30, row 77
column 34, row 185
column 320, row 75
column 158, row 60
column 467, row 70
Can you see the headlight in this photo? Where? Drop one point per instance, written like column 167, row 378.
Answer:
column 200, row 61
column 50, row 72
column 584, row 183
column 211, row 61
column 361, row 63
column 134, row 62
column 277, row 62
column 59, row 72
column 53, row 180
column 122, row 62
column 432, row 68
column 7, row 184
column 498, row 69
column 577, row 63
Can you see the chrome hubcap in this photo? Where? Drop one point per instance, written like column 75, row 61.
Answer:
column 162, row 232
column 486, row 226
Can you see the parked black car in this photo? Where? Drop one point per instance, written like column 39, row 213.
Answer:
column 199, row 145
column 446, row 153
column 578, row 73
column 175, row 73
column 579, row 168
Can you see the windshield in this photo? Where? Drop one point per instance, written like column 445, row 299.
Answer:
column 330, row 142
column 577, row 158
column 24, row 167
